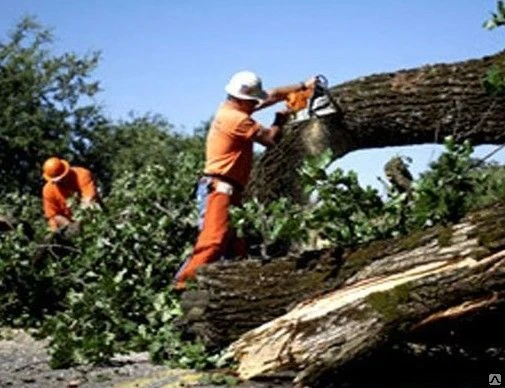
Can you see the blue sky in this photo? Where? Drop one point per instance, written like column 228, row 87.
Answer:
column 174, row 57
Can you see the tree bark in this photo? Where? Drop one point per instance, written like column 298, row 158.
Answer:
column 326, row 333
column 234, row 297
column 382, row 302
column 415, row 106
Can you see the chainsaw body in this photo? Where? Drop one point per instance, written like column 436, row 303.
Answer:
column 313, row 102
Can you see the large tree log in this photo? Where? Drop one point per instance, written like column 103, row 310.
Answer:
column 235, row 297
column 323, row 334
column 415, row 106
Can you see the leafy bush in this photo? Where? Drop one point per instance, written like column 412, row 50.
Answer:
column 443, row 193
column 274, row 226
column 109, row 291
column 341, row 209
column 340, row 212
column 45, row 104
column 127, row 262
column 491, row 188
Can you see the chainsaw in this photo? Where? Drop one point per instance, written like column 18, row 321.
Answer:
column 313, row 102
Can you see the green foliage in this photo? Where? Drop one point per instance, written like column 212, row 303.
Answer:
column 494, row 81
column 341, row 211
column 111, row 291
column 497, row 18
column 26, row 293
column 134, row 144
column 127, row 262
column 338, row 212
column 491, row 187
column 22, row 207
column 45, row 105
column 275, row 224
column 442, row 194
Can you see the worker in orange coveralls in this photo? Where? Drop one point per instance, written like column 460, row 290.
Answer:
column 229, row 156
column 62, row 182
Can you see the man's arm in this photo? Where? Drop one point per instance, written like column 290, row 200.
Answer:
column 55, row 208
column 270, row 136
column 279, row 94
column 87, row 187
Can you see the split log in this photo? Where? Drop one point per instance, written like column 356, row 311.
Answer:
column 323, row 334
column 384, row 300
column 235, row 297
column 415, row 106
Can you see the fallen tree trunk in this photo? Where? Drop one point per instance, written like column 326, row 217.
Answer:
column 387, row 298
column 321, row 335
column 235, row 297
column 415, row 106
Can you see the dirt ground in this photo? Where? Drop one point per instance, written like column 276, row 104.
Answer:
column 24, row 363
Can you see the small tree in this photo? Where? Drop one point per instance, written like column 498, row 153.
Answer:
column 44, row 104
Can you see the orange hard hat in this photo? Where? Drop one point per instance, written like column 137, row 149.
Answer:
column 54, row 169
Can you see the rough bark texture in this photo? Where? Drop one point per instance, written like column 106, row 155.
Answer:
column 330, row 331
column 415, row 106
column 387, row 298
column 235, row 297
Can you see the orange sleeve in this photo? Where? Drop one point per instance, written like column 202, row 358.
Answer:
column 53, row 203
column 87, row 188
column 246, row 129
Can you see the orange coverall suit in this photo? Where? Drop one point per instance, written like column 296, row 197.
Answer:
column 54, row 195
column 229, row 155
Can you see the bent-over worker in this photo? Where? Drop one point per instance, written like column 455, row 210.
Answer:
column 63, row 182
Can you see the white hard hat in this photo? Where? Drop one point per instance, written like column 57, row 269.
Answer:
column 246, row 85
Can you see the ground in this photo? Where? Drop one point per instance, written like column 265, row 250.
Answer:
column 24, row 363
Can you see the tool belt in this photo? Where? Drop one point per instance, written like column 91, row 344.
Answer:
column 225, row 184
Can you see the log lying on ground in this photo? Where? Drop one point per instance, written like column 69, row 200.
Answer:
column 385, row 299
column 235, row 297
column 323, row 334
column 416, row 106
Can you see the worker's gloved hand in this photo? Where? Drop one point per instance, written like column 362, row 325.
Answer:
column 281, row 118
column 311, row 82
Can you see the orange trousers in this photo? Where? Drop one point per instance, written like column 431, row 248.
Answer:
column 216, row 238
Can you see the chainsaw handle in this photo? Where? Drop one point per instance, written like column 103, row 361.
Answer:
column 321, row 80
